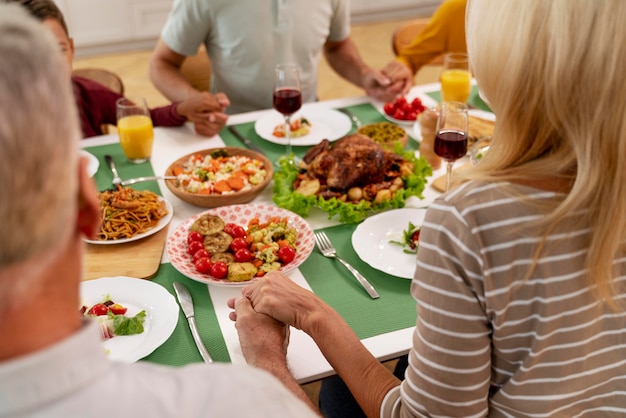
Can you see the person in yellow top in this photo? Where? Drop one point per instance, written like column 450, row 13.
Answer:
column 444, row 33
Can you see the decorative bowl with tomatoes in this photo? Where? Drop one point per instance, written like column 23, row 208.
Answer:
column 235, row 244
column 220, row 176
column 403, row 111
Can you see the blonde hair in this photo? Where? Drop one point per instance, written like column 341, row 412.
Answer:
column 553, row 72
column 39, row 135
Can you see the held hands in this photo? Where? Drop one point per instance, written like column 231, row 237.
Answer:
column 206, row 111
column 262, row 338
column 400, row 81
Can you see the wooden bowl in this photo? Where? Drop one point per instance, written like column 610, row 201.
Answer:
column 385, row 133
column 215, row 200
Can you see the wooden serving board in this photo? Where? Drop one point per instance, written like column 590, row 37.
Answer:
column 139, row 259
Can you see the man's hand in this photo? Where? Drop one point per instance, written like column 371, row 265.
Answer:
column 206, row 111
column 263, row 340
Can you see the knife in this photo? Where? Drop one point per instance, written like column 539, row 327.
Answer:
column 355, row 120
column 245, row 140
column 186, row 303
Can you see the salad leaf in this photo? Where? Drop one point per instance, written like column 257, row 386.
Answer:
column 347, row 212
column 124, row 325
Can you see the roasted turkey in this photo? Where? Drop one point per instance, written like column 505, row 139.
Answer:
column 353, row 161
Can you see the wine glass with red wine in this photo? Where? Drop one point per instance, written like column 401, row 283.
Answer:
column 451, row 139
column 287, row 96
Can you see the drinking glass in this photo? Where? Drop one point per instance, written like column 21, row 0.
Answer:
column 451, row 139
column 134, row 127
column 455, row 78
column 287, row 96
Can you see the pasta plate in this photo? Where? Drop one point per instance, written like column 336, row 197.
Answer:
column 163, row 222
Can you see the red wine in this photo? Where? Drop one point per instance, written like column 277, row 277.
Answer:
column 451, row 145
column 287, row 101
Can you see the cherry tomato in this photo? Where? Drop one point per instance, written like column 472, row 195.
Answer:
column 195, row 246
column 219, row 270
column 389, row 108
column 286, row 254
column 194, row 236
column 238, row 243
column 399, row 114
column 203, row 265
column 235, row 230
column 243, row 255
column 118, row 309
column 201, row 254
column 98, row 309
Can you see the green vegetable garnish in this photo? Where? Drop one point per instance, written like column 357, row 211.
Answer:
column 286, row 198
column 123, row 325
column 410, row 237
column 219, row 153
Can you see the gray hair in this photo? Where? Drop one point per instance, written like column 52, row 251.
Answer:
column 39, row 134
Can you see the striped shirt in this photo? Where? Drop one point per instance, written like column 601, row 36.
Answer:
column 492, row 340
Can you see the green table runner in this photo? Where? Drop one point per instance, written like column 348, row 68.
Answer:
column 331, row 281
column 474, row 99
column 180, row 348
column 125, row 168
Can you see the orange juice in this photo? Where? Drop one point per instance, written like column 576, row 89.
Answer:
column 136, row 136
column 455, row 85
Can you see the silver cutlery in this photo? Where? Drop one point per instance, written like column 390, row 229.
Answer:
column 186, row 303
column 355, row 120
column 328, row 250
column 117, row 180
column 149, row 178
column 245, row 140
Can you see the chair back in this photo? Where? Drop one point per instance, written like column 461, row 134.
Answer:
column 108, row 79
column 197, row 69
column 105, row 77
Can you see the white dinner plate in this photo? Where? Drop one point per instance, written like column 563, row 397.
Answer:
column 162, row 224
column 326, row 123
column 136, row 295
column 240, row 215
column 93, row 164
column 417, row 129
column 371, row 239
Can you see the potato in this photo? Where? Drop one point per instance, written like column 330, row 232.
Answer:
column 308, row 187
column 355, row 194
column 382, row 195
column 241, row 272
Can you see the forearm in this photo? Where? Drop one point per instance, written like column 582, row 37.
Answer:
column 280, row 370
column 345, row 60
column 168, row 79
column 368, row 380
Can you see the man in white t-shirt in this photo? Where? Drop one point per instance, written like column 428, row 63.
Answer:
column 52, row 363
column 246, row 39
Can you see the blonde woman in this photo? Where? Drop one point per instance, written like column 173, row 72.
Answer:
column 521, row 274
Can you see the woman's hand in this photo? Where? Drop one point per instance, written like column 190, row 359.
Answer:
column 262, row 338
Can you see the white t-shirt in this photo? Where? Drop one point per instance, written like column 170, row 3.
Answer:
column 246, row 39
column 74, row 378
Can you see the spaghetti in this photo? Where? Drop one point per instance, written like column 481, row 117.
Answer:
column 127, row 212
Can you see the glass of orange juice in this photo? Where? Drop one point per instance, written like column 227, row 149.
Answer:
column 134, row 127
column 456, row 78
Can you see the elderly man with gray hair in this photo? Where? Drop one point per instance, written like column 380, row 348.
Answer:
column 51, row 361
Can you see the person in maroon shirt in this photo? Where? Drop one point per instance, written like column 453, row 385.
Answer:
column 96, row 103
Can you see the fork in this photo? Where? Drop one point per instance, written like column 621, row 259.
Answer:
column 328, row 250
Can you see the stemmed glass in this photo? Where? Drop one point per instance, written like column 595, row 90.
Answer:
column 451, row 138
column 456, row 79
column 287, row 96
